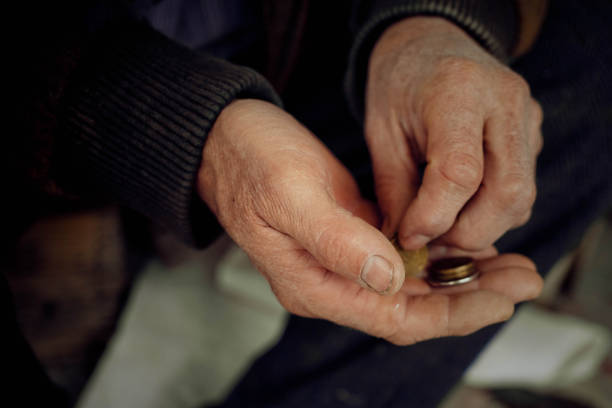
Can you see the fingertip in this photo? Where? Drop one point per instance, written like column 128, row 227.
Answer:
column 399, row 273
column 507, row 311
column 507, row 261
column 399, row 278
column 383, row 270
column 513, row 275
column 414, row 241
column 531, row 286
column 473, row 310
column 524, row 262
column 381, row 275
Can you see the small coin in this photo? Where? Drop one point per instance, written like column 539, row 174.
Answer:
column 414, row 261
column 452, row 272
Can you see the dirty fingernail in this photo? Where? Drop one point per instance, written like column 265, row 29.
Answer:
column 377, row 274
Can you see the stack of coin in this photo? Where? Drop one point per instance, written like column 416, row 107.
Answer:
column 452, row 271
column 414, row 261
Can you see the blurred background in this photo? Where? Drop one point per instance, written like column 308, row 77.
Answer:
column 123, row 315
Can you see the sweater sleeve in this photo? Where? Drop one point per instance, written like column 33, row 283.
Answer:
column 135, row 119
column 493, row 24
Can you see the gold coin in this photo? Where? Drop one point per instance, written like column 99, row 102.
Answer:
column 452, row 271
column 414, row 261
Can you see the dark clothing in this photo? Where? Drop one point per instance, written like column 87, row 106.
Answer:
column 318, row 364
column 127, row 110
column 131, row 110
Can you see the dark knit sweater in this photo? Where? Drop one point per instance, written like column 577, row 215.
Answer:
column 131, row 109
column 141, row 116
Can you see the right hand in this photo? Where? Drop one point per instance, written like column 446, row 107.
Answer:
column 435, row 97
column 297, row 212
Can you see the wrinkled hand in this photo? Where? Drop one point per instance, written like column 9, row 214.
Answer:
column 296, row 211
column 435, row 96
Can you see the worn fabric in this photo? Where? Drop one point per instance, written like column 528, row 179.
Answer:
column 317, row 363
column 134, row 108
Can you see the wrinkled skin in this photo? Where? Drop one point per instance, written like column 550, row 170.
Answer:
column 435, row 97
column 297, row 212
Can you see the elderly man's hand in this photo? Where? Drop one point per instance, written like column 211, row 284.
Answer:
column 296, row 211
column 436, row 98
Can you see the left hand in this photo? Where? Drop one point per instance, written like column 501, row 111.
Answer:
column 296, row 211
column 435, row 96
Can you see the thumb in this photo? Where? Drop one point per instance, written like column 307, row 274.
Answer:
column 396, row 175
column 346, row 244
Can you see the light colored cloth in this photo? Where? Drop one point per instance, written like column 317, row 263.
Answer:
column 541, row 349
column 184, row 338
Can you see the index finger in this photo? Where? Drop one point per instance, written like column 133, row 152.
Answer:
column 453, row 173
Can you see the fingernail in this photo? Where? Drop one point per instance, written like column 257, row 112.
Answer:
column 377, row 274
column 415, row 241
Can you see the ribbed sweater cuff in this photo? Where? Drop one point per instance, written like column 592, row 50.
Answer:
column 137, row 117
column 493, row 24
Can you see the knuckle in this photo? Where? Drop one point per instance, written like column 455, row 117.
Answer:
column 434, row 223
column 513, row 188
column 394, row 327
column 517, row 195
column 462, row 169
column 514, row 94
column 388, row 327
column 436, row 310
column 524, row 219
column 514, row 84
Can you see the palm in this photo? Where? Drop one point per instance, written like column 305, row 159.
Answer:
column 415, row 312
column 297, row 212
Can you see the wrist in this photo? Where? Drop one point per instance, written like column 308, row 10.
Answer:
column 493, row 25
column 408, row 31
column 240, row 127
